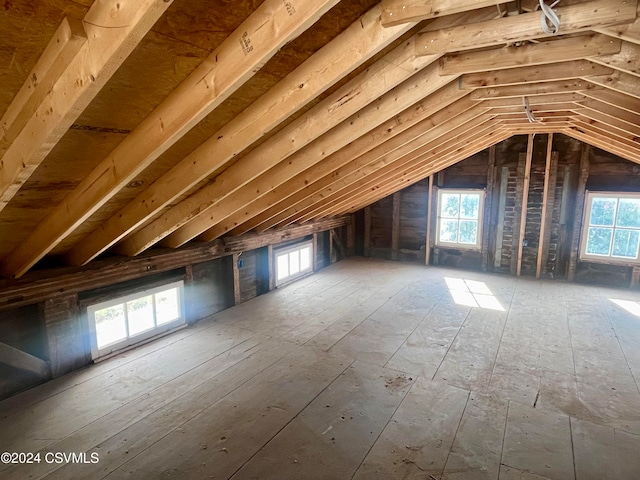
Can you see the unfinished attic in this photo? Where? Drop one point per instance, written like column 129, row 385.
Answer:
column 320, row 239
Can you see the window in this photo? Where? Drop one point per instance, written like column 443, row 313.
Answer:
column 128, row 320
column 611, row 229
column 293, row 262
column 459, row 214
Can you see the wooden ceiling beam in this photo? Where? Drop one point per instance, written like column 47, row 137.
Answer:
column 376, row 194
column 391, row 104
column 526, row 26
column 534, row 100
column 397, row 12
column 600, row 137
column 394, row 133
column 473, row 124
column 626, row 60
column 537, row 73
column 628, row 33
column 269, row 27
column 75, row 65
column 329, row 173
column 602, row 118
column 549, row 110
column 358, row 43
column 617, row 81
column 378, row 92
column 560, row 87
column 59, row 53
column 422, row 168
column 623, row 137
column 561, row 50
column 615, row 99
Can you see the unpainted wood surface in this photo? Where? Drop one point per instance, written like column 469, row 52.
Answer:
column 368, row 369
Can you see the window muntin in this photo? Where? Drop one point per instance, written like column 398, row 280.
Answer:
column 611, row 229
column 460, row 218
column 293, row 262
column 127, row 320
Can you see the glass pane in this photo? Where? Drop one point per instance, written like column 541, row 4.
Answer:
column 599, row 241
column 167, row 306
column 468, row 232
column 140, row 313
column 110, row 325
column 450, row 205
column 625, row 243
column 449, row 231
column 282, row 266
column 603, row 211
column 628, row 213
column 470, row 205
column 305, row 258
column 294, row 262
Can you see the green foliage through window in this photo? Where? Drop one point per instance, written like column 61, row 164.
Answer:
column 613, row 226
column 459, row 217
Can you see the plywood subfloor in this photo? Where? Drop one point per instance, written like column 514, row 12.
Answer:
column 366, row 370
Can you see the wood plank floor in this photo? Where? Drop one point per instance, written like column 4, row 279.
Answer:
column 367, row 370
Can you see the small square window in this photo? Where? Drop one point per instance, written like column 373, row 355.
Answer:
column 293, row 262
column 460, row 218
column 611, row 230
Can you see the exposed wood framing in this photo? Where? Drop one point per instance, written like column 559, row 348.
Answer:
column 346, row 52
column 367, row 231
column 578, row 213
column 395, row 12
column 395, row 226
column 488, row 207
column 525, row 200
column 575, row 18
column 226, row 69
column 39, row 285
column 72, row 73
column 427, row 247
column 545, row 201
column 237, row 297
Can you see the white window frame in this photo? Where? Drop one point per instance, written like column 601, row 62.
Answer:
column 287, row 250
column 141, row 337
column 584, row 233
column 461, row 191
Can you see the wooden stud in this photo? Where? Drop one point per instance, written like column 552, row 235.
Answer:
column 367, row 231
column 578, row 212
column 347, row 51
column 332, row 252
column 430, row 205
column 543, row 212
column 73, row 72
column 502, row 202
column 351, row 236
column 617, row 81
column 237, row 297
column 574, row 48
column 395, row 226
column 315, row 252
column 488, row 207
column 525, row 200
column 271, row 271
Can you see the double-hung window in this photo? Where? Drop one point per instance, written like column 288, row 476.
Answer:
column 128, row 320
column 460, row 218
column 611, row 227
column 293, row 262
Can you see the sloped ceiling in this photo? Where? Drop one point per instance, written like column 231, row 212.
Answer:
column 132, row 123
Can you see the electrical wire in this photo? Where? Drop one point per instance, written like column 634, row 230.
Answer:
column 549, row 21
column 528, row 112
